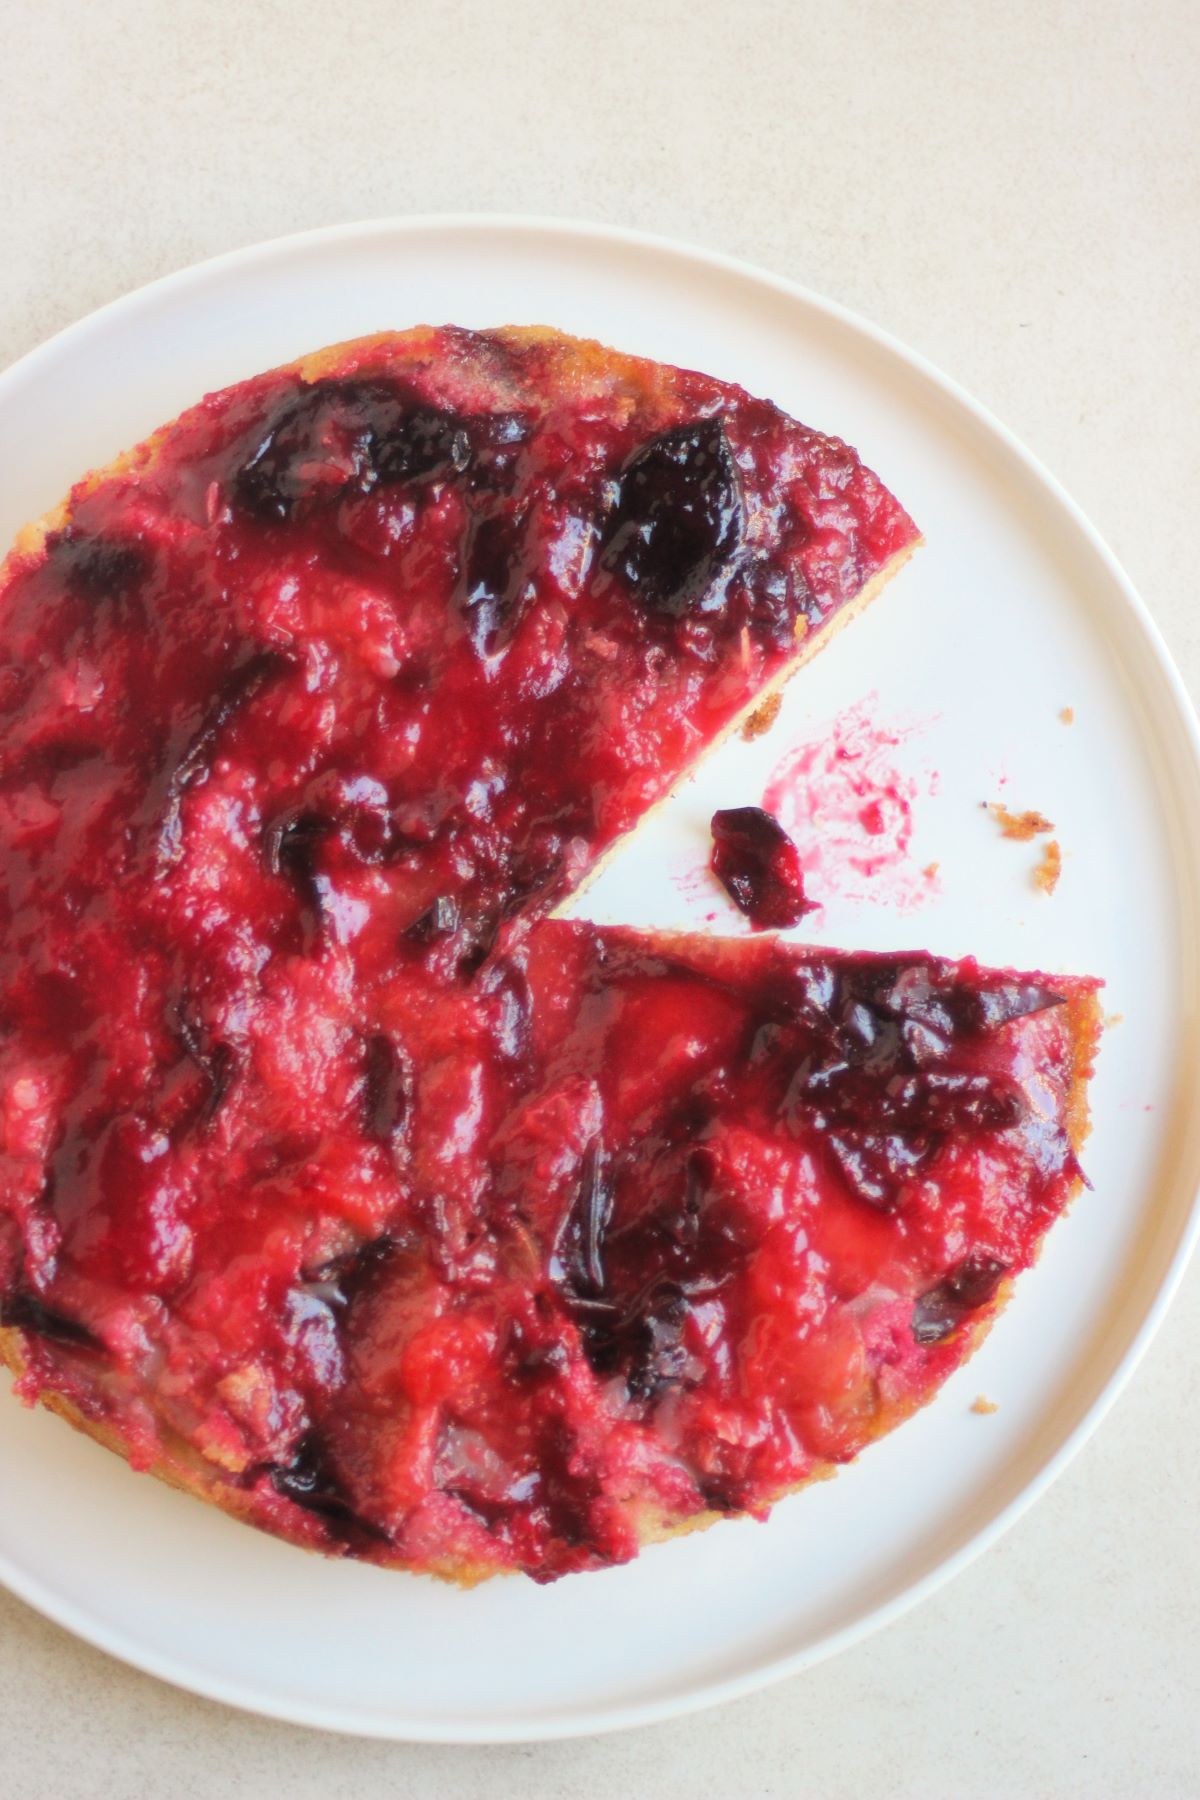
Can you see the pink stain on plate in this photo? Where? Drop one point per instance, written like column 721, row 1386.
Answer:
column 697, row 884
column 848, row 804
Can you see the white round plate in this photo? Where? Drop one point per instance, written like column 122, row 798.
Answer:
column 1012, row 611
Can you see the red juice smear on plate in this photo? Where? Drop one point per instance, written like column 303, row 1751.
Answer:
column 848, row 802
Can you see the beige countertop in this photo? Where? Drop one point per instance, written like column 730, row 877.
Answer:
column 1014, row 191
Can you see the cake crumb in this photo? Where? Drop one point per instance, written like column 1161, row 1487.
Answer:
column 983, row 1405
column 1046, row 875
column 1067, row 715
column 762, row 718
column 1111, row 1019
column 1021, row 826
column 930, row 870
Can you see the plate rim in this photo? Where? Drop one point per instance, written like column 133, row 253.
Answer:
column 73, row 1616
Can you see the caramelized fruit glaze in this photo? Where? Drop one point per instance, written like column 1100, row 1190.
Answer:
column 336, row 1177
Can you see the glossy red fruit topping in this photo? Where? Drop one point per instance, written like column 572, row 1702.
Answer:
column 436, row 1231
column 758, row 865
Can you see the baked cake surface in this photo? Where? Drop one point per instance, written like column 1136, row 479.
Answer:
column 323, row 1192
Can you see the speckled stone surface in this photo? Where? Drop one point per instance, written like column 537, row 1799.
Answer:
column 1012, row 190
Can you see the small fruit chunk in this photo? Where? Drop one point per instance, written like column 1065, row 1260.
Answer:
column 340, row 435
column 758, row 865
column 939, row 1313
column 677, row 519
